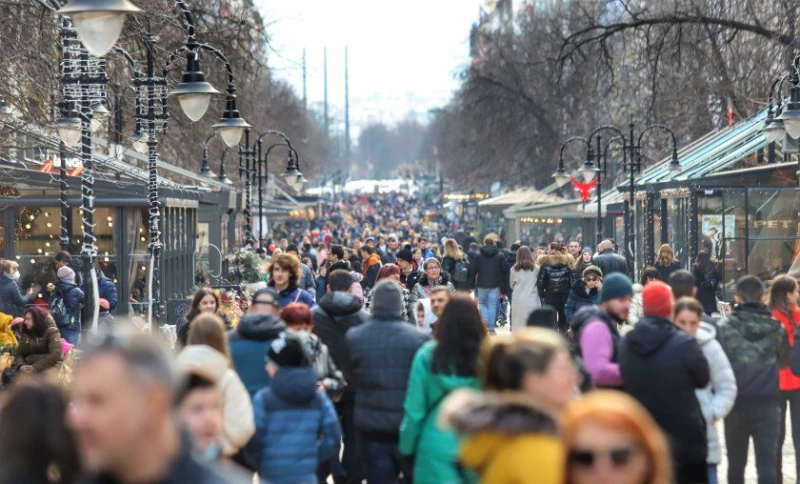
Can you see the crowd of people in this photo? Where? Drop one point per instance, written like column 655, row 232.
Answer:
column 373, row 353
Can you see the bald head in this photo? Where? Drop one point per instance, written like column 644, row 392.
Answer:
column 605, row 245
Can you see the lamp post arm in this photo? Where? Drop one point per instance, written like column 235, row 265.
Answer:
column 228, row 68
column 659, row 127
column 607, row 127
column 617, row 139
column 277, row 133
column 567, row 142
column 191, row 29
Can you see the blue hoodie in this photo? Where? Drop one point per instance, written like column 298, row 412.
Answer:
column 296, row 428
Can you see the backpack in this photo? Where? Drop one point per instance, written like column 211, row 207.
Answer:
column 58, row 310
column 461, row 272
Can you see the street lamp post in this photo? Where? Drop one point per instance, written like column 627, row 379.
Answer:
column 263, row 184
column 631, row 162
column 783, row 117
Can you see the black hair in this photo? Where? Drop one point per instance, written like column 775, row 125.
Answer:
column 292, row 248
column 63, row 256
column 369, row 250
column 649, row 273
column 340, row 280
column 750, row 289
column 193, row 382
column 268, row 291
column 682, row 283
column 338, row 251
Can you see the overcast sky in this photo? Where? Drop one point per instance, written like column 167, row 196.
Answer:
column 403, row 54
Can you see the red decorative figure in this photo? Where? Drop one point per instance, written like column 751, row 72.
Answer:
column 584, row 188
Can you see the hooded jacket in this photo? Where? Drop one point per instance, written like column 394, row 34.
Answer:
column 296, row 428
column 369, row 269
column 436, row 449
column 491, row 270
column 555, row 278
column 429, row 317
column 106, row 289
column 12, row 301
column 380, row 353
column 661, row 367
column 409, row 302
column 717, row 398
column 788, row 380
column 757, row 346
column 237, row 411
column 249, row 343
column 505, row 438
column 580, row 297
column 40, row 352
column 8, row 340
column 336, row 313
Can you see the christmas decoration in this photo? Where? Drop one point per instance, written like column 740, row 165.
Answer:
column 584, row 189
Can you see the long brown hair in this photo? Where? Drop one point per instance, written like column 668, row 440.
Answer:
column 505, row 359
column 666, row 256
column 459, row 335
column 451, row 250
column 201, row 293
column 780, row 287
column 619, row 412
column 209, row 330
column 524, row 259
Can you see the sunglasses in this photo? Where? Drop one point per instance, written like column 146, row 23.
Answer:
column 591, row 279
column 619, row 457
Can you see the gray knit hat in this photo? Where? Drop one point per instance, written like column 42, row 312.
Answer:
column 387, row 300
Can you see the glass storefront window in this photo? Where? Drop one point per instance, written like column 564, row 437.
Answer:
column 36, row 231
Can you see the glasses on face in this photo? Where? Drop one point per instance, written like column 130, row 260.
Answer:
column 265, row 303
column 591, row 279
column 619, row 457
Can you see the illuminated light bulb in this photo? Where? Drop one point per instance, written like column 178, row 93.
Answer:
column 32, row 217
column 142, row 239
column 19, row 257
column 106, row 259
column 108, row 218
column 28, row 226
column 47, row 244
column 33, row 261
column 39, row 250
column 110, row 224
column 47, row 253
column 47, row 214
column 49, row 224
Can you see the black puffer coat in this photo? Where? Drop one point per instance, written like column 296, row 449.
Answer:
column 333, row 316
column 555, row 278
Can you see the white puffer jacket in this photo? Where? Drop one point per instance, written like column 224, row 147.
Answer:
column 238, row 423
column 717, row 399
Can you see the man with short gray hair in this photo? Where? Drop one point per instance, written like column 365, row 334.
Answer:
column 123, row 415
column 609, row 261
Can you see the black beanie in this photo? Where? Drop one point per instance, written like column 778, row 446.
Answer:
column 287, row 350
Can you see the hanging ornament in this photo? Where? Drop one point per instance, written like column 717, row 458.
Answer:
column 584, row 189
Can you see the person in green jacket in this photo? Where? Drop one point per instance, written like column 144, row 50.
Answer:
column 439, row 367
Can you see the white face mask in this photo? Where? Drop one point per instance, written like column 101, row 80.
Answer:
column 15, row 276
column 303, row 334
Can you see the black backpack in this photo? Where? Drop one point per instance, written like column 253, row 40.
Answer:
column 58, row 309
column 461, row 271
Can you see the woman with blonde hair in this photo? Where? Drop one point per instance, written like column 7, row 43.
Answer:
column 207, row 354
column 522, row 279
column 609, row 437
column 456, row 265
column 509, row 432
column 666, row 263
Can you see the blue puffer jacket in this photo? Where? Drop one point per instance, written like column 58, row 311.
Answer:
column 249, row 343
column 106, row 290
column 12, row 301
column 296, row 428
column 73, row 298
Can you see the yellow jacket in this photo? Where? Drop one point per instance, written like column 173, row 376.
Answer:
column 520, row 459
column 506, row 439
column 7, row 338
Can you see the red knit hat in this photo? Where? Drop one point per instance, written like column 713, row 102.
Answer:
column 657, row 299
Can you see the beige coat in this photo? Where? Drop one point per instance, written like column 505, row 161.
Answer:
column 238, row 423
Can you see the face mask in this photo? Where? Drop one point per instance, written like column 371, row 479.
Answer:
column 303, row 334
column 211, row 453
column 15, row 276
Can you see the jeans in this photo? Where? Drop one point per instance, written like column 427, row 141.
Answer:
column 759, row 419
column 712, row 474
column 790, row 400
column 381, row 461
column 73, row 336
column 488, row 301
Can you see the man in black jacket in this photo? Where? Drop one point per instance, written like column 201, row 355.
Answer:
column 661, row 367
column 609, row 261
column 491, row 280
column 757, row 347
column 408, row 276
column 381, row 352
column 337, row 312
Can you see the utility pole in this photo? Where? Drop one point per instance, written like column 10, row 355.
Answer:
column 325, row 80
column 346, row 110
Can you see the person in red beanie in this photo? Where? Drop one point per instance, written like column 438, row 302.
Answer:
column 661, row 366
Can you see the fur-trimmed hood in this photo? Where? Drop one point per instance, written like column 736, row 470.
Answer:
column 556, row 260
column 469, row 412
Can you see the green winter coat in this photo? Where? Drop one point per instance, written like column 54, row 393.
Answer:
column 435, row 450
